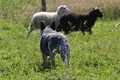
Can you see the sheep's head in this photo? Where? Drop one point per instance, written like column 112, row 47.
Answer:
column 62, row 9
column 97, row 12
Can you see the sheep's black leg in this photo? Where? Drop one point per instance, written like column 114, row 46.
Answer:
column 90, row 32
column 83, row 32
column 59, row 28
column 83, row 28
column 77, row 26
column 66, row 28
column 66, row 31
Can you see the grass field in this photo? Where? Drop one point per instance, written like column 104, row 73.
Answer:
column 93, row 57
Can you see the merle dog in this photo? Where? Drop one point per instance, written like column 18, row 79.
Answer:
column 53, row 42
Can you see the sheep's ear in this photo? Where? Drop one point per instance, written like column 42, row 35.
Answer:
column 42, row 26
column 53, row 25
column 95, row 8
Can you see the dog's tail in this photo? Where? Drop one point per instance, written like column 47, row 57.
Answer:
column 64, row 50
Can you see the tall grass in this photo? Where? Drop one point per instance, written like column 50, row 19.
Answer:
column 93, row 57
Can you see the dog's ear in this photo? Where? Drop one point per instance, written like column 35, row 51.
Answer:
column 53, row 25
column 42, row 26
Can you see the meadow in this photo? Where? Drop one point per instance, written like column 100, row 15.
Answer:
column 93, row 57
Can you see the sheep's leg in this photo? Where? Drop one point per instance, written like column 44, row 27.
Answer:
column 31, row 29
column 82, row 28
column 77, row 26
column 59, row 28
column 83, row 33
column 66, row 31
column 66, row 28
column 90, row 32
column 70, row 28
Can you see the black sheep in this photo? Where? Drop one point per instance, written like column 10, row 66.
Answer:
column 76, row 21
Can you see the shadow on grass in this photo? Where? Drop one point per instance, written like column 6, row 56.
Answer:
column 42, row 68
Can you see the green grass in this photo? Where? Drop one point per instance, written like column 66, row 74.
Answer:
column 93, row 57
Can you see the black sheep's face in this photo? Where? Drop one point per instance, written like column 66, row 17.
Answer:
column 99, row 13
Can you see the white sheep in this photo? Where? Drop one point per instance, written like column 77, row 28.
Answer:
column 47, row 18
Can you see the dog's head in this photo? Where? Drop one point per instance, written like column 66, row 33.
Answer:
column 47, row 29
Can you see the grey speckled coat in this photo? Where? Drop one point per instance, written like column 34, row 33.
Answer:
column 53, row 42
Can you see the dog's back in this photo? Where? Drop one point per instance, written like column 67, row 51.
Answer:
column 53, row 41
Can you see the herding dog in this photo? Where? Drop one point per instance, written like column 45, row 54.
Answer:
column 53, row 42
